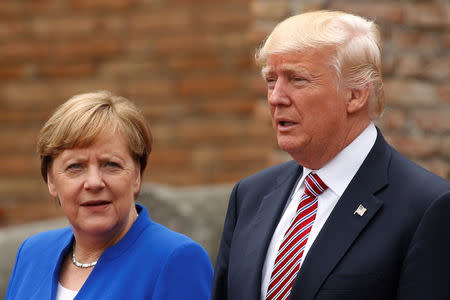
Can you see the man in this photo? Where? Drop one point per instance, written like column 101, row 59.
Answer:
column 349, row 217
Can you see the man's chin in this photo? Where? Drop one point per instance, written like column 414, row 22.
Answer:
column 289, row 148
column 298, row 151
column 291, row 145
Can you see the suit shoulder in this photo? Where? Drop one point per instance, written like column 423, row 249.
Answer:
column 415, row 188
column 266, row 176
column 416, row 177
column 166, row 239
column 42, row 240
column 45, row 245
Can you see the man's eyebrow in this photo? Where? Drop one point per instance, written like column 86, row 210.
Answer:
column 287, row 67
column 265, row 71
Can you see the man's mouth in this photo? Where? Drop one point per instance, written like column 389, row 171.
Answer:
column 287, row 123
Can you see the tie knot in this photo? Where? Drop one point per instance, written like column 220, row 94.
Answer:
column 314, row 186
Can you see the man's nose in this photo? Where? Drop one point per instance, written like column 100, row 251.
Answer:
column 278, row 95
column 94, row 179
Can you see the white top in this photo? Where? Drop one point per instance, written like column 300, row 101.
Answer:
column 336, row 174
column 65, row 294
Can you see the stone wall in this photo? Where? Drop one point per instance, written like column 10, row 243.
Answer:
column 189, row 65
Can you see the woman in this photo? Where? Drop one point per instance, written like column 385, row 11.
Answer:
column 94, row 150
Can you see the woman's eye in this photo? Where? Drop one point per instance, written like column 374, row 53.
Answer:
column 74, row 167
column 111, row 164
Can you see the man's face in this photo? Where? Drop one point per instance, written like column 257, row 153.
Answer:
column 308, row 110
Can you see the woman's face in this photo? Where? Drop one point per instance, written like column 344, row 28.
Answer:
column 97, row 186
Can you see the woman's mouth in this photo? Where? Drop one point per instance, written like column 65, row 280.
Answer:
column 96, row 206
column 96, row 203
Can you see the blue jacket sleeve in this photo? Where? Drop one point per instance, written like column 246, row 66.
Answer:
column 10, row 292
column 187, row 274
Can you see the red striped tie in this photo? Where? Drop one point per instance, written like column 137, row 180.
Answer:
column 290, row 254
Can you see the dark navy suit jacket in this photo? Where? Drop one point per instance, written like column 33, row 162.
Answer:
column 398, row 249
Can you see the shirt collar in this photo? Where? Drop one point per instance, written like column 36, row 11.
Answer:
column 338, row 172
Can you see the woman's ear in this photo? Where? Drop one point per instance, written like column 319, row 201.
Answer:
column 358, row 99
column 137, row 184
column 51, row 185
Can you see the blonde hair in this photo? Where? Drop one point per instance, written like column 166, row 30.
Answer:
column 356, row 44
column 78, row 122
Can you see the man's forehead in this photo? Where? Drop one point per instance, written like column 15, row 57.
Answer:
column 305, row 60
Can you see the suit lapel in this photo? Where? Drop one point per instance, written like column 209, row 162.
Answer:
column 265, row 222
column 344, row 226
column 49, row 286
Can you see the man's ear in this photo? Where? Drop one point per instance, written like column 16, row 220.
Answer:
column 51, row 185
column 358, row 99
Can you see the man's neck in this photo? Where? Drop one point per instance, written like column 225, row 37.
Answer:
column 315, row 162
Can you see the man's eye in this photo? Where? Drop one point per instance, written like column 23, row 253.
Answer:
column 270, row 82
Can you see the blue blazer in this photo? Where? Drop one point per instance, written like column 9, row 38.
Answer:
column 398, row 249
column 149, row 262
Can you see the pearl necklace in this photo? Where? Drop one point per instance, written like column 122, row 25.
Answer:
column 80, row 265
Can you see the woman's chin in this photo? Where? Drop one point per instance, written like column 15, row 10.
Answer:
column 98, row 226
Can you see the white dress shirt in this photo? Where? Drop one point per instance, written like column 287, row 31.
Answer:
column 336, row 174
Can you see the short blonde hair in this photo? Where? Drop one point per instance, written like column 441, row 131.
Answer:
column 77, row 123
column 356, row 44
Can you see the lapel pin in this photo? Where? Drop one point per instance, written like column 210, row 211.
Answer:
column 360, row 210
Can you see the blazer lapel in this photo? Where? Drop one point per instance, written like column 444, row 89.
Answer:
column 49, row 286
column 344, row 225
column 264, row 224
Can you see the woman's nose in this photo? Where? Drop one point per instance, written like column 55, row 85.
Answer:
column 94, row 179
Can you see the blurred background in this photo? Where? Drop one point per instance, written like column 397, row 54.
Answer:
column 189, row 65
